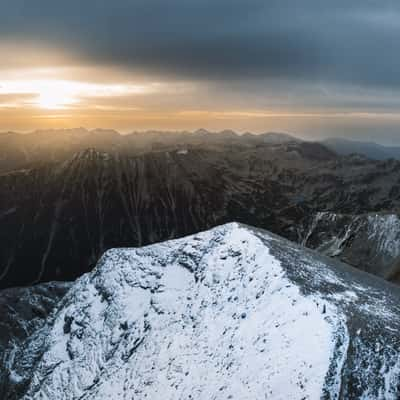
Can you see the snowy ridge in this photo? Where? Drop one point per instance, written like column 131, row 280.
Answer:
column 231, row 313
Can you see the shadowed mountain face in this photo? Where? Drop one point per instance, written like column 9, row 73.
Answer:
column 58, row 217
column 23, row 311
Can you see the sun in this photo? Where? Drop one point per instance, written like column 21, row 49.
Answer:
column 65, row 94
column 55, row 95
column 53, row 101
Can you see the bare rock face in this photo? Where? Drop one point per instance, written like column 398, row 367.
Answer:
column 233, row 312
column 370, row 242
column 23, row 311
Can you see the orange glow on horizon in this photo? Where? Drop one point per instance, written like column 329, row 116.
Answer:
column 48, row 89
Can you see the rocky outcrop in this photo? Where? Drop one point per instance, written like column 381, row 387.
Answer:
column 23, row 311
column 370, row 242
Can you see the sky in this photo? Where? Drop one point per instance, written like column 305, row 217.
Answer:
column 313, row 68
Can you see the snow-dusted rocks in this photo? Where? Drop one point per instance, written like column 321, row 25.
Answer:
column 231, row 313
column 370, row 242
column 22, row 312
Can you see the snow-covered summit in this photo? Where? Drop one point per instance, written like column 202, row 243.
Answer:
column 230, row 313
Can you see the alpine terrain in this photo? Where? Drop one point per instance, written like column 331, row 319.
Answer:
column 230, row 313
column 370, row 241
column 199, row 200
column 60, row 214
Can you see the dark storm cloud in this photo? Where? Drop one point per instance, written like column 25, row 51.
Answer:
column 329, row 41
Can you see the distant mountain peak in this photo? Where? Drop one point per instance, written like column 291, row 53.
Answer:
column 278, row 138
column 89, row 155
column 372, row 150
column 101, row 131
column 228, row 133
column 202, row 131
column 65, row 131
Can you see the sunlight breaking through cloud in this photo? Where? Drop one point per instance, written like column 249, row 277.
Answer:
column 62, row 94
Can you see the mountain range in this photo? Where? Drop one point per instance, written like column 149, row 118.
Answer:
column 371, row 150
column 58, row 215
column 21, row 150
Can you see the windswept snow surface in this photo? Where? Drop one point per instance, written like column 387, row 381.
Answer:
column 216, row 315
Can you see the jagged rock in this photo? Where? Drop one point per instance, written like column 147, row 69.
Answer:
column 370, row 242
column 23, row 311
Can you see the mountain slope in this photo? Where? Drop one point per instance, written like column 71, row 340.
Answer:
column 23, row 311
column 371, row 150
column 229, row 313
column 367, row 241
column 274, row 137
column 59, row 217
